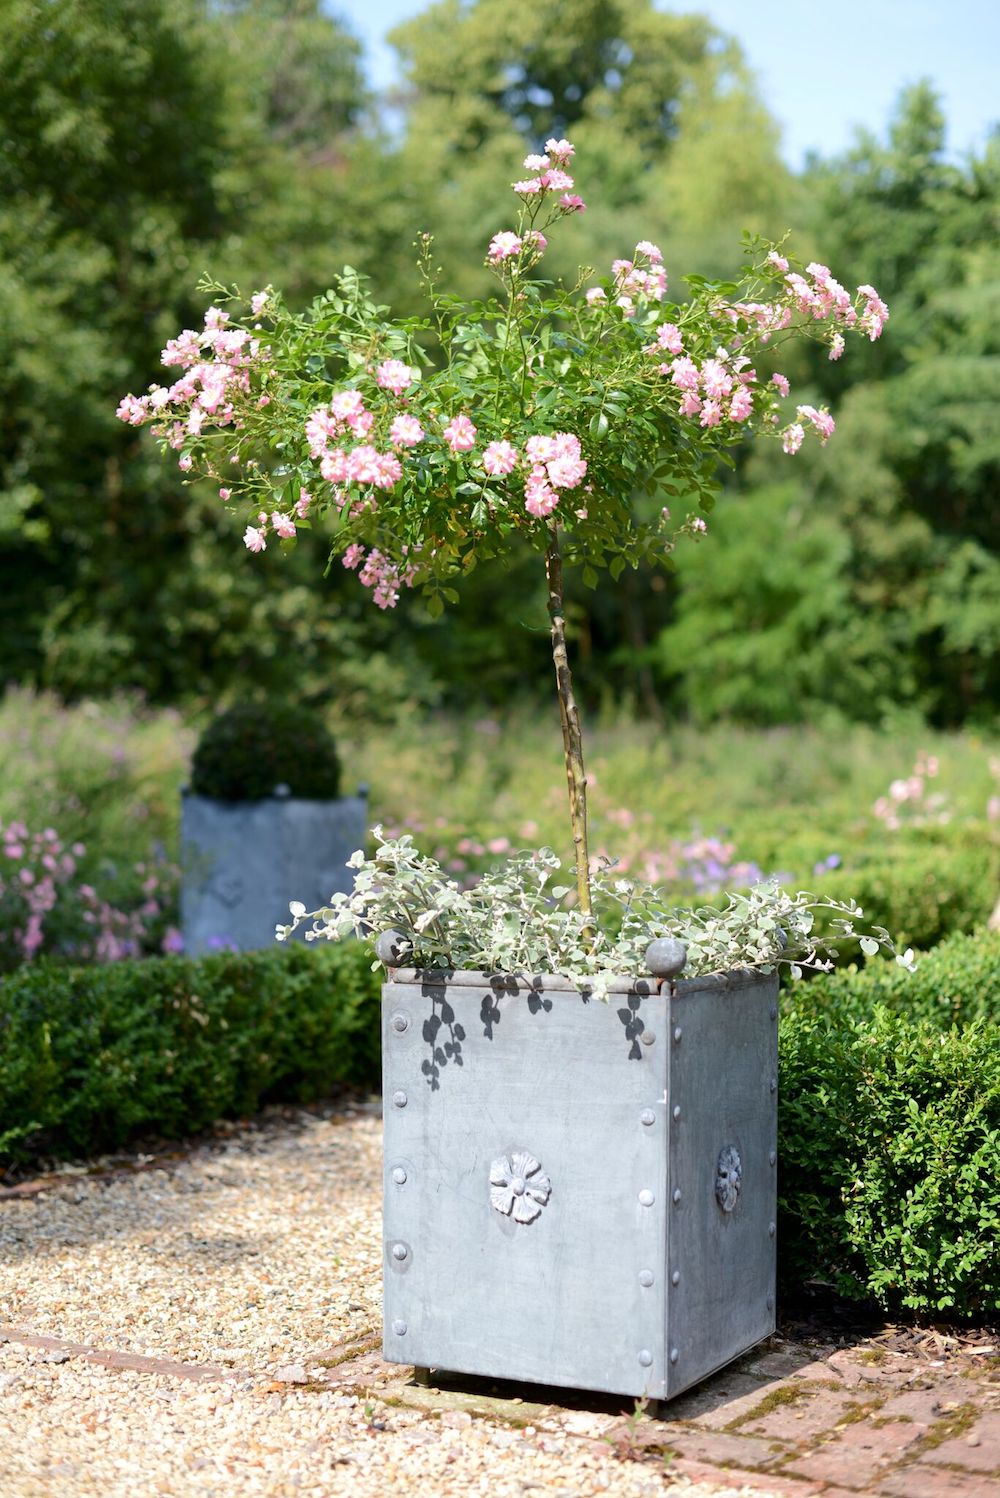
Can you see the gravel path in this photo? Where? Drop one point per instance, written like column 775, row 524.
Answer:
column 204, row 1325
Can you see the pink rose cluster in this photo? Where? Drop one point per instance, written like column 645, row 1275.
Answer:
column 203, row 394
column 820, row 298
column 551, row 176
column 551, row 463
column 717, row 390
column 379, row 573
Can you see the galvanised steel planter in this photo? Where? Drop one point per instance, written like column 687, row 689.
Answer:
column 242, row 861
column 576, row 1192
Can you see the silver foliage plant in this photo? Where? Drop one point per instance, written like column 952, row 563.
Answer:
column 517, row 920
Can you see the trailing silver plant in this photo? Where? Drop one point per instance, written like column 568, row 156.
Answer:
column 516, row 919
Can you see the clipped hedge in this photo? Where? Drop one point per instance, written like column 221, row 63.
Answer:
column 889, row 1128
column 91, row 1056
column 956, row 983
column 924, row 893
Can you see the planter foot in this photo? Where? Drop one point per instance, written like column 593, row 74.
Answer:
column 422, row 1376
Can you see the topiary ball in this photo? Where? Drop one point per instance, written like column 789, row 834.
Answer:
column 246, row 753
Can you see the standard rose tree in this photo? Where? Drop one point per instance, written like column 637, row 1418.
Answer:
column 566, row 416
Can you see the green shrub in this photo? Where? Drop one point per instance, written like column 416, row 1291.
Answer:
column 954, row 984
column 889, row 1134
column 90, row 1056
column 924, row 893
column 253, row 747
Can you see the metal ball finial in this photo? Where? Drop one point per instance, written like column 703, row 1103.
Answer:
column 393, row 948
column 666, row 956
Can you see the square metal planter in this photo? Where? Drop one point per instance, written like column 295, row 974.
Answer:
column 579, row 1193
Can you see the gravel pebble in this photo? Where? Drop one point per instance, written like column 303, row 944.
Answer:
column 260, row 1256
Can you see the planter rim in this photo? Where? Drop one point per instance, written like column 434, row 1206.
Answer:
column 187, row 794
column 556, row 983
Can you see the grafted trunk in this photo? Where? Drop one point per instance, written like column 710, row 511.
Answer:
column 569, row 717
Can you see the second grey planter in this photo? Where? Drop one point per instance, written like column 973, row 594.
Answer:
column 579, row 1193
column 242, row 862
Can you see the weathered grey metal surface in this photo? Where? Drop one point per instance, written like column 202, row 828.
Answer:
column 498, row 1095
column 243, row 862
column 723, row 1104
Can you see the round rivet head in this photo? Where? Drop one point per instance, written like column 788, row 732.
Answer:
column 399, row 1327
column 645, row 1277
column 666, row 957
column 646, row 1197
column 647, row 1116
column 400, row 1022
column 774, row 1084
column 647, row 1037
column 675, row 1278
column 646, row 1357
column 674, row 1354
column 771, row 1230
column 399, row 1175
column 677, row 1110
column 774, row 1011
column 399, row 1251
column 399, row 1100
column 677, row 1194
column 772, row 1157
column 678, row 1032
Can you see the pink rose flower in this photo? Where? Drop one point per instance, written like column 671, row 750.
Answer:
column 500, row 458
column 460, row 434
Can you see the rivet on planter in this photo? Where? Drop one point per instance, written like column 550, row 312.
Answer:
column 772, row 1157
column 774, row 1084
column 399, row 1327
column 677, row 1195
column 647, row 1116
column 646, row 1197
column 774, row 1011
column 770, row 1230
column 645, row 1277
column 677, row 1110
column 647, row 1037
column 399, row 1251
column 400, row 1023
column 674, row 1354
column 399, row 1176
column 399, row 1099
column 646, row 1358
column 678, row 1032
column 675, row 1278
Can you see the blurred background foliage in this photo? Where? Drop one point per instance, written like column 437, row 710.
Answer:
column 148, row 141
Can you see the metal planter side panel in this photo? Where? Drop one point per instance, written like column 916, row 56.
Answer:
column 722, row 1172
column 501, row 1103
column 243, row 861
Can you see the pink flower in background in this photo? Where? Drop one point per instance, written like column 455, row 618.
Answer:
column 780, row 384
column 691, row 404
column 650, row 250
column 778, row 261
column 499, row 458
column 302, row 503
column 540, row 499
column 571, row 202
column 822, row 421
column 668, row 337
column 711, row 413
column 536, row 241
column 225, row 493
column 406, row 431
column 595, row 295
column 557, row 181
column 283, row 525
column 793, row 438
column 876, row 313
column 536, row 163
column 394, row 375
column 620, row 268
column 715, row 379
column 504, row 245
column 560, row 151
column 363, row 466
column 258, row 302
column 253, row 539
column 699, row 525
column 684, row 374
column 741, row 404
column 528, row 187
column 334, row 466
column 460, row 434
column 353, row 556
column 185, row 462
column 836, row 345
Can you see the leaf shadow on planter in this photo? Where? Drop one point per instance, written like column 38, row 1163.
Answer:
column 634, row 1025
